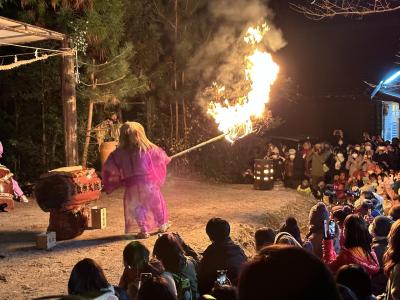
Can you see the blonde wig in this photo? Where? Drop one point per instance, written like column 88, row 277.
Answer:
column 133, row 137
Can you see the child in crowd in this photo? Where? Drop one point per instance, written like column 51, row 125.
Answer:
column 304, row 188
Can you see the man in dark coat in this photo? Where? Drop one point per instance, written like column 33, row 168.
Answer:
column 381, row 156
column 222, row 254
column 379, row 230
column 294, row 170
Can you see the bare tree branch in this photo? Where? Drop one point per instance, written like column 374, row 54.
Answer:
column 321, row 9
column 158, row 11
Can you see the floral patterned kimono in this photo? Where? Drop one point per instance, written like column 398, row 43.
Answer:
column 142, row 174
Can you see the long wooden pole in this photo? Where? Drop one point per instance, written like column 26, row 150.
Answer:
column 89, row 121
column 217, row 138
column 88, row 131
column 68, row 96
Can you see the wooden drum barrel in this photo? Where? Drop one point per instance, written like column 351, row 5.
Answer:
column 65, row 193
column 68, row 224
column 67, row 188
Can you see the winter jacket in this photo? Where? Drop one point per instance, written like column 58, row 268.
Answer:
column 379, row 245
column 317, row 163
column 381, row 159
column 189, row 270
column 316, row 240
column 294, row 168
column 393, row 285
column 224, row 255
column 354, row 164
column 346, row 257
column 379, row 280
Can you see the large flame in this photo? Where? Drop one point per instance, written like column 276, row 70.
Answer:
column 236, row 120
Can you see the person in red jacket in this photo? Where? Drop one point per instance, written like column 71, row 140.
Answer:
column 357, row 247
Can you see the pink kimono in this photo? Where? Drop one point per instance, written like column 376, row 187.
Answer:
column 17, row 190
column 142, row 174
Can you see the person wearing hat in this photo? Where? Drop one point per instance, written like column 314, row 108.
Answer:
column 278, row 163
column 379, row 230
column 18, row 193
column 294, row 170
column 339, row 214
column 318, row 215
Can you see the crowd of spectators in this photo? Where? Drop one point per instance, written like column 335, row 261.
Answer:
column 350, row 260
column 350, row 251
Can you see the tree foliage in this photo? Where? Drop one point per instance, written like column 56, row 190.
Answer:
column 136, row 54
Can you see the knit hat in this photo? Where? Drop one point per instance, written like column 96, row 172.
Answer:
column 290, row 226
column 318, row 214
column 380, row 227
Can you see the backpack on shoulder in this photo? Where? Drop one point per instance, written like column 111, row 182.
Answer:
column 183, row 287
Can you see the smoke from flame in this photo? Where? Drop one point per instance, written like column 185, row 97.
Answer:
column 236, row 119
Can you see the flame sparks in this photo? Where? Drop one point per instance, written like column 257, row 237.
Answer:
column 236, row 120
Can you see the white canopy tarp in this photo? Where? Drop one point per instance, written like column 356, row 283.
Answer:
column 16, row 32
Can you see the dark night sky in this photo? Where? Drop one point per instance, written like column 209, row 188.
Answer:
column 335, row 56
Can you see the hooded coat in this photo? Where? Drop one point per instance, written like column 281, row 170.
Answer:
column 318, row 214
column 393, row 286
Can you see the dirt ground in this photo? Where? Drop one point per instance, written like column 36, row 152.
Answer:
column 26, row 272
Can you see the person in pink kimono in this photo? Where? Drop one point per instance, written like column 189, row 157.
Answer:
column 18, row 193
column 140, row 167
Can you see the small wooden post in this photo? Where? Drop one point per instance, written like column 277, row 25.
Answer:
column 68, row 96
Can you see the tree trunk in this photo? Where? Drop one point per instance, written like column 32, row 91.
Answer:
column 68, row 96
column 176, row 73
column 176, row 119
column 53, row 150
column 185, row 129
column 17, row 160
column 89, row 122
column 88, row 131
column 172, row 120
column 149, row 116
column 44, row 137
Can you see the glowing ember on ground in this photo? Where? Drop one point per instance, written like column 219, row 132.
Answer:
column 236, row 119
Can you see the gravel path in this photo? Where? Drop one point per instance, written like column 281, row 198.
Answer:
column 26, row 272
